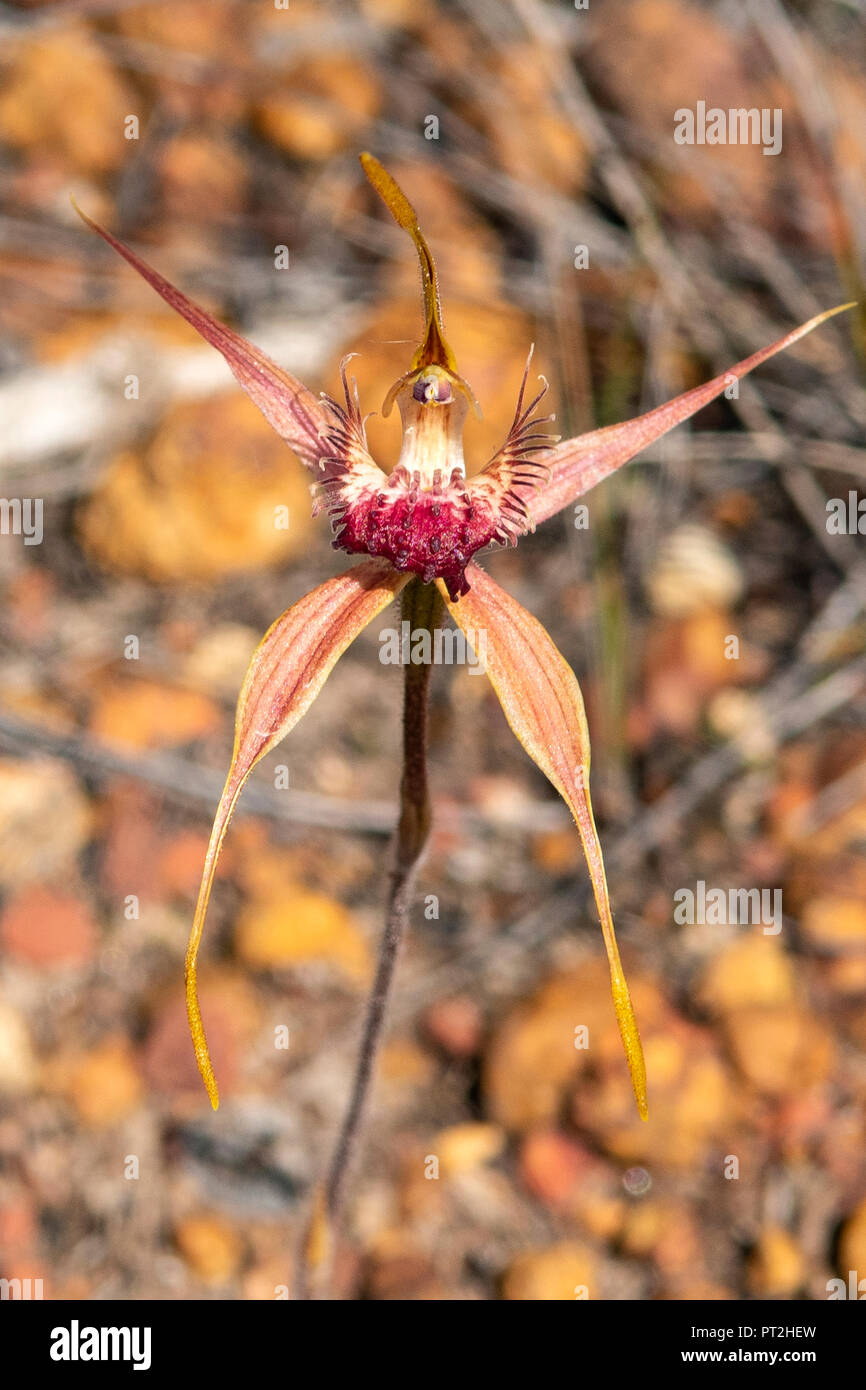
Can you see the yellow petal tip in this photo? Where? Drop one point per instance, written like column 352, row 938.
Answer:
column 631, row 1040
column 830, row 313
column 81, row 213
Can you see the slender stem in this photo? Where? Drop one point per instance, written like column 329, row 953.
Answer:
column 422, row 608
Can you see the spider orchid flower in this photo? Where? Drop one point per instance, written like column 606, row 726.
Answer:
column 427, row 520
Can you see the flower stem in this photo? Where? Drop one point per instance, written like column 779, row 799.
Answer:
column 422, row 608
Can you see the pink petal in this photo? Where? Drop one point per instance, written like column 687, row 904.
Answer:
column 288, row 669
column 542, row 702
column 576, row 465
column 295, row 413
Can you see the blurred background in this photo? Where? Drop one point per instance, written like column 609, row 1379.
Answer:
column 536, row 141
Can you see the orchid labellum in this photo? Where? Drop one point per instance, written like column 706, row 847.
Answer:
column 420, row 528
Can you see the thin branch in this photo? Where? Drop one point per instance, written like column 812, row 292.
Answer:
column 188, row 782
column 192, row 784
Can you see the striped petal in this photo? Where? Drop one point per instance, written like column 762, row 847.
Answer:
column 295, row 413
column 542, row 702
column 576, row 465
column 288, row 669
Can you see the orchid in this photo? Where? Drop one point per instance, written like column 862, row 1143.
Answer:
column 420, row 528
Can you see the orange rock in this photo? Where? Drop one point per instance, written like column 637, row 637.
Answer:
column 388, row 12
column 18, row 1229
column 202, row 176
column 790, row 799
column 666, row 1232
column 404, row 1063
column 46, row 927
column 264, row 872
column 835, row 922
column 842, row 832
column 752, row 971
column 147, row 714
column 105, row 1085
column 211, row 1247
column 269, row 1280
column 561, row 1272
column 847, row 974
column 779, row 1049
column 455, row 1025
column 51, row 712
column 802, row 1120
column 461, row 1148
column 557, row 851
column 18, row 1070
column 30, row 603
column 551, row 1165
column 409, row 1276
column 735, row 508
column 777, row 1265
column 45, row 820
column 699, row 1291
column 644, row 1226
column 294, row 929
column 320, row 107
column 692, row 1100
column 817, row 873
column 64, row 101
column 852, row 1243
column 531, row 1058
column 574, row 1181
column 215, row 492
column 184, row 26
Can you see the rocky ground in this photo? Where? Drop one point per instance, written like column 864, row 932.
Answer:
column 502, row 1160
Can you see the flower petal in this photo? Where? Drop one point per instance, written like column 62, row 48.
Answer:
column 576, row 465
column 295, row 413
column 434, row 347
column 542, row 702
column 288, row 669
column 434, row 350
